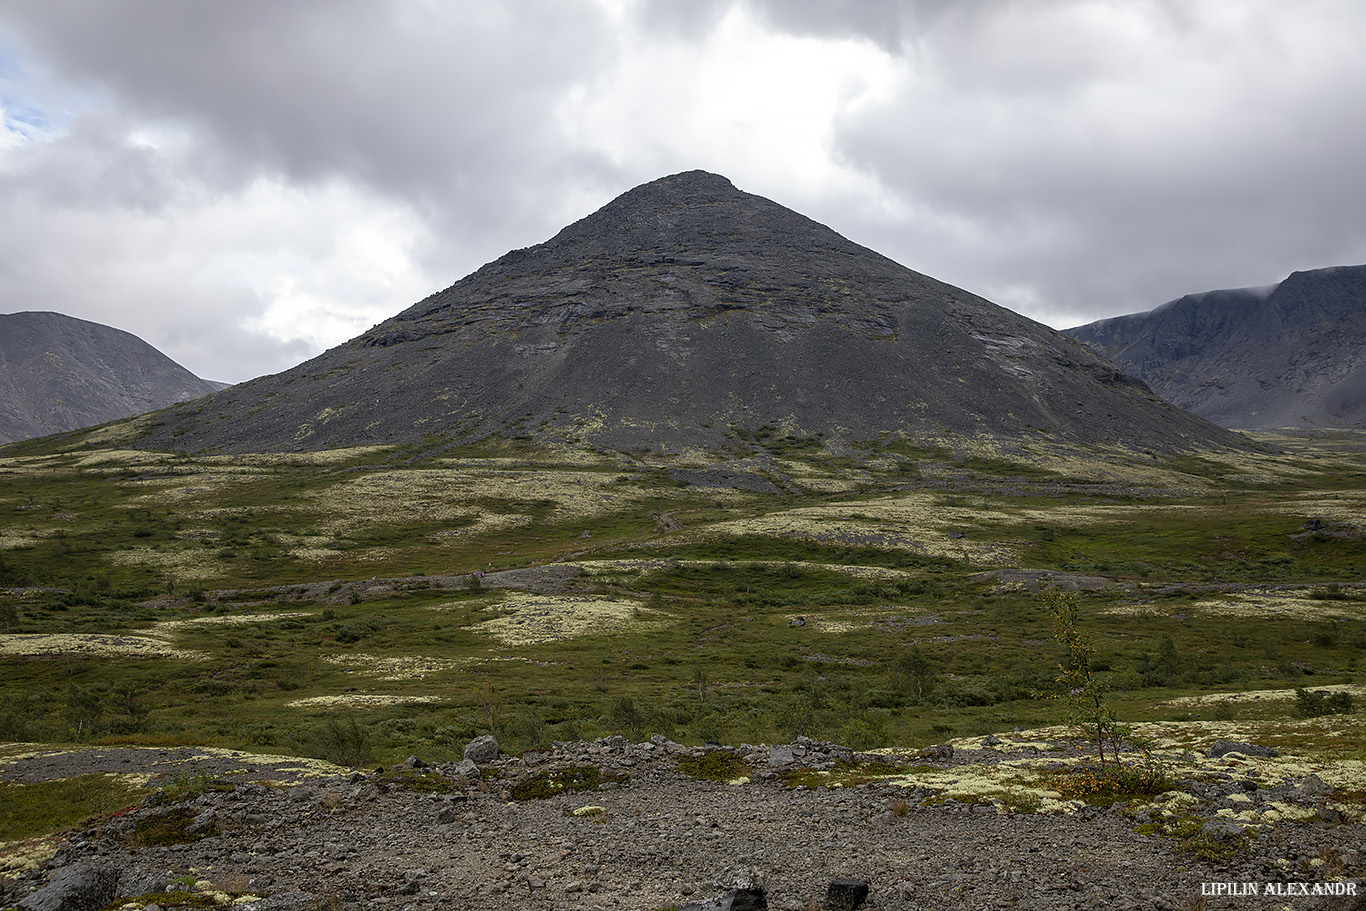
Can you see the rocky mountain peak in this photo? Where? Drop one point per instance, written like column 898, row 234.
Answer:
column 1253, row 358
column 687, row 313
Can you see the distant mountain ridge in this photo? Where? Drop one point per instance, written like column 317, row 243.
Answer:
column 1289, row 355
column 689, row 314
column 60, row 373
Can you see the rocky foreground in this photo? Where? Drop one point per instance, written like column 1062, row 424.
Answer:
column 615, row 825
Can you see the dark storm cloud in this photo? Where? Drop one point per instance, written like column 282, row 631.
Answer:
column 423, row 101
column 446, row 110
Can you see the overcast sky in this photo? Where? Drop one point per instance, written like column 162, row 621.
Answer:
column 246, row 183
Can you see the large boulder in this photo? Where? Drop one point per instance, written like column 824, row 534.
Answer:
column 82, row 886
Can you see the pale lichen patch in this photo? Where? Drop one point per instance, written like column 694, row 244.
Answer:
column 95, row 645
column 411, row 667
column 1250, row 696
column 358, row 700
column 169, row 628
column 533, row 619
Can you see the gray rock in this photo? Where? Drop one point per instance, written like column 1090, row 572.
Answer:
column 80, row 887
column 1224, row 747
column 482, row 750
column 467, row 769
column 781, row 755
column 1313, row 786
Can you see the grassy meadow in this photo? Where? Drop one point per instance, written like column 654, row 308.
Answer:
column 325, row 604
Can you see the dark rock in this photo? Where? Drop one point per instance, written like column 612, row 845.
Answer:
column 845, row 894
column 1221, row 828
column 1313, row 786
column 145, row 884
column 941, row 752
column 781, row 755
column 82, row 886
column 1224, row 747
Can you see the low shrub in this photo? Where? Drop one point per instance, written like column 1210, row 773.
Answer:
column 1316, row 703
column 714, row 765
column 561, row 781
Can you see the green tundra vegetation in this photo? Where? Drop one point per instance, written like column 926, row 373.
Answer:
column 326, row 604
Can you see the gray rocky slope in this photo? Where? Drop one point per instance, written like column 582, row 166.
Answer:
column 59, row 373
column 686, row 313
column 1291, row 355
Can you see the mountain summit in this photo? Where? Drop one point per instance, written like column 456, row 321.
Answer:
column 688, row 313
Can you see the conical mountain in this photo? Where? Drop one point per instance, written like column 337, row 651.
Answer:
column 59, row 373
column 686, row 313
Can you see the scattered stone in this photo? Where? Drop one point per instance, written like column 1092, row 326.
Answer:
column 1312, row 786
column 845, row 894
column 285, row 901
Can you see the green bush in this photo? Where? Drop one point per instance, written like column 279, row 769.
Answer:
column 1316, row 703
column 345, row 743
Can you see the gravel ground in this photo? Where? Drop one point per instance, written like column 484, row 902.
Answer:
column 307, row 839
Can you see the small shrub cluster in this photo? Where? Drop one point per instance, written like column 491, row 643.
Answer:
column 561, row 781
column 1316, row 703
column 714, row 765
column 186, row 786
column 172, row 827
column 1103, row 786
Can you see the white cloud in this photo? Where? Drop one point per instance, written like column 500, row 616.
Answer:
column 756, row 105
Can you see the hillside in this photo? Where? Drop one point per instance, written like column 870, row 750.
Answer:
column 1253, row 358
column 684, row 314
column 59, row 373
